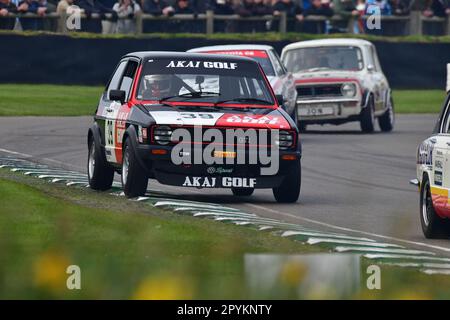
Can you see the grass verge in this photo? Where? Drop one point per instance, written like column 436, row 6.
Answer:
column 129, row 250
column 55, row 100
column 124, row 249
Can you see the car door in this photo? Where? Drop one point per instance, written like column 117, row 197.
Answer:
column 116, row 113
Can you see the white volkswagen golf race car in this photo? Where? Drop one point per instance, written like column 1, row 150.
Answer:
column 339, row 80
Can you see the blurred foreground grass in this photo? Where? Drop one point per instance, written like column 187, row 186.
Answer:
column 57, row 100
column 129, row 250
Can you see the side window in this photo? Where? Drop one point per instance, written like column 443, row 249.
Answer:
column 128, row 75
column 375, row 61
column 276, row 63
column 115, row 80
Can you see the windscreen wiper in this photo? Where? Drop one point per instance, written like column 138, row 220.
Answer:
column 192, row 95
column 244, row 100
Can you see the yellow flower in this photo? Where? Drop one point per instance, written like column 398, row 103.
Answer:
column 50, row 271
column 293, row 273
column 164, row 287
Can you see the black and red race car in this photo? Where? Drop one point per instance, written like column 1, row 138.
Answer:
column 193, row 120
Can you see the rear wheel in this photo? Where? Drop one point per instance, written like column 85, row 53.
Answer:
column 242, row 192
column 387, row 120
column 134, row 177
column 367, row 120
column 433, row 226
column 289, row 190
column 100, row 173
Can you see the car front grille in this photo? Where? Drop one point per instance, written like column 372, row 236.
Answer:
column 329, row 90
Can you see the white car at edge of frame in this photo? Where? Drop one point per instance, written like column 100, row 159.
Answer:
column 338, row 81
column 433, row 177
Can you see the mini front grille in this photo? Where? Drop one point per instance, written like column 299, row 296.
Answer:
column 330, row 90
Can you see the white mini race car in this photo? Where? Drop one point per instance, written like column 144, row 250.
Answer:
column 339, row 80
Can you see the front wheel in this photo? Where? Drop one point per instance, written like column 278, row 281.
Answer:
column 134, row 177
column 289, row 190
column 433, row 226
column 387, row 120
column 367, row 120
column 100, row 173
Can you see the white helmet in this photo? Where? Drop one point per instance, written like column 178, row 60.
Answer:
column 158, row 84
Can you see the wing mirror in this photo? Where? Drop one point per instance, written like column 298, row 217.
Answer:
column 117, row 95
column 370, row 68
column 280, row 99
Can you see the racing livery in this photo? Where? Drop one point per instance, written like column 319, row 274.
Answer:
column 193, row 120
column 339, row 80
column 281, row 80
column 433, row 175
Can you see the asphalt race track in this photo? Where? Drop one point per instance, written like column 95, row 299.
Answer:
column 353, row 183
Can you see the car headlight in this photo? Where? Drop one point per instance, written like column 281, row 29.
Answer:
column 348, row 89
column 285, row 139
column 162, row 135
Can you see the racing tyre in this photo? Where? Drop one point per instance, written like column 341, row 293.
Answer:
column 387, row 120
column 289, row 190
column 368, row 118
column 433, row 226
column 100, row 173
column 242, row 192
column 134, row 177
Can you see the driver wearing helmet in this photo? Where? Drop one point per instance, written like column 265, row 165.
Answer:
column 157, row 86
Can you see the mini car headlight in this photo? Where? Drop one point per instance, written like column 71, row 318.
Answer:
column 348, row 89
column 162, row 135
column 285, row 139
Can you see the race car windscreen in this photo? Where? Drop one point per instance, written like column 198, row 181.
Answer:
column 210, row 81
column 260, row 56
column 323, row 58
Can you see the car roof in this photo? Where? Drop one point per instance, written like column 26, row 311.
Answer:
column 231, row 47
column 183, row 55
column 327, row 42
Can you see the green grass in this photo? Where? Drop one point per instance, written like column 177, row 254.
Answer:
column 48, row 100
column 130, row 250
column 120, row 246
column 418, row 101
column 55, row 100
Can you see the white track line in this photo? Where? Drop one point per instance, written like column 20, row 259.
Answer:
column 313, row 241
column 328, row 225
column 291, row 233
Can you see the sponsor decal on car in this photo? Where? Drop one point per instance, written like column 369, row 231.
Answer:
column 244, row 53
column 204, row 64
column 438, row 178
column 213, row 182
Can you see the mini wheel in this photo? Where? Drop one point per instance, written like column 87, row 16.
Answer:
column 387, row 120
column 367, row 120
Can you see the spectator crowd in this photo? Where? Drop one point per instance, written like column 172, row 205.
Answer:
column 117, row 17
